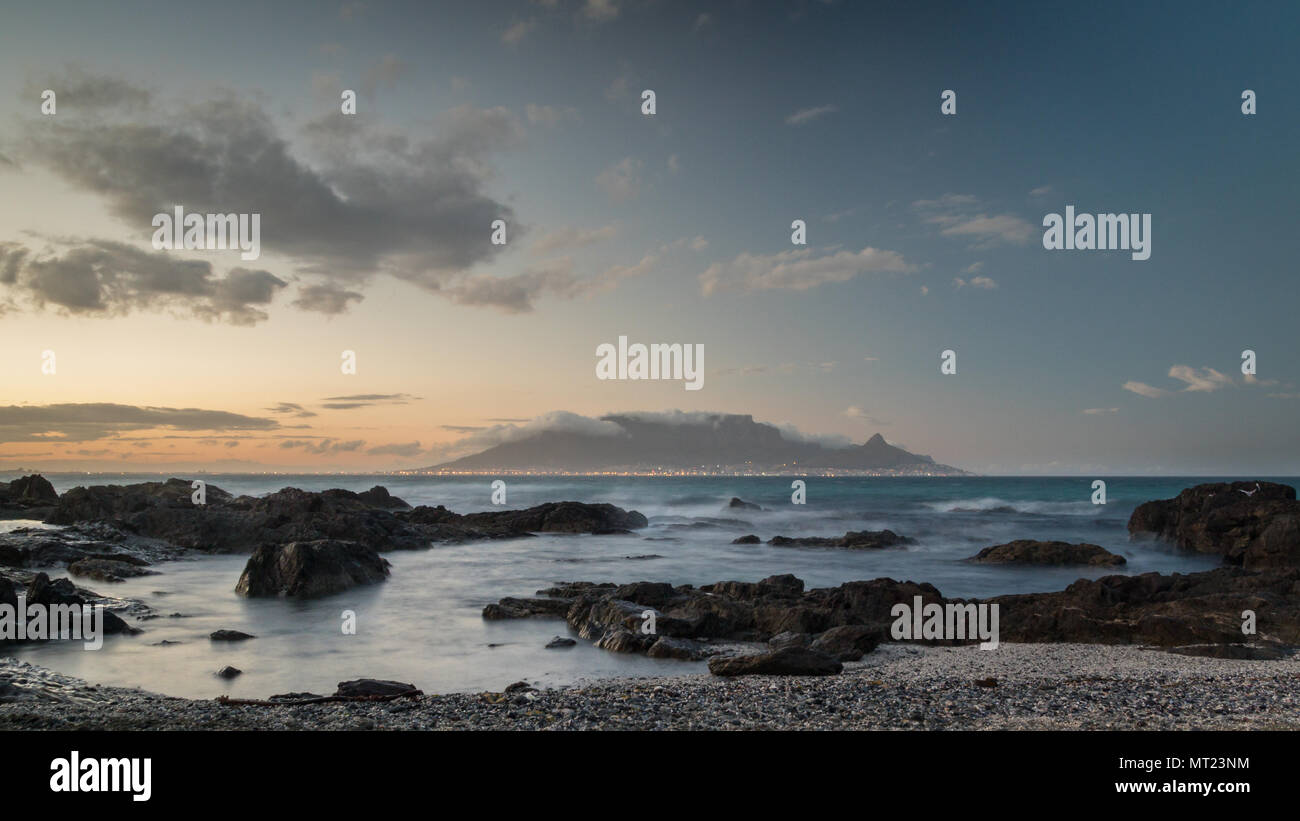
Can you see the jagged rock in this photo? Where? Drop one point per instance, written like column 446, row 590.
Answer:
column 230, row 635
column 373, row 687
column 306, row 569
column 750, row 539
column 740, row 504
column 108, row 570
column 41, row 590
column 559, row 517
column 1028, row 551
column 27, row 497
column 789, row 661
column 1253, row 524
column 853, row 540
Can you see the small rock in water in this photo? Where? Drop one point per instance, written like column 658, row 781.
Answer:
column 229, row 672
column 560, row 641
column 230, row 635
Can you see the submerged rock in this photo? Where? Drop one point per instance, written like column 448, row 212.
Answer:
column 749, row 539
column 1028, row 551
column 109, row 570
column 230, row 635
column 740, row 504
column 853, row 540
column 560, row 641
column 229, row 672
column 307, row 569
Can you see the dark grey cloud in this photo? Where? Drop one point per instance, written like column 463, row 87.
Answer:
column 292, row 408
column 82, row 422
column 325, row 299
column 111, row 278
column 346, row 202
column 76, row 89
column 365, row 400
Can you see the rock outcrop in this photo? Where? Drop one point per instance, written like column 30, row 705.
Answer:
column 1028, row 551
column 1252, row 524
column 228, row 524
column 789, row 661
column 308, row 569
column 24, row 497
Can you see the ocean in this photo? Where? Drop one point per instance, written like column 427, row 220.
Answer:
column 424, row 624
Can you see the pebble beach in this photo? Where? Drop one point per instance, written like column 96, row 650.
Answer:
column 896, row 687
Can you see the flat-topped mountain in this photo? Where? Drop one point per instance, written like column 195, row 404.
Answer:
column 707, row 442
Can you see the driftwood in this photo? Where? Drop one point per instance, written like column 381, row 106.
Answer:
column 324, row 699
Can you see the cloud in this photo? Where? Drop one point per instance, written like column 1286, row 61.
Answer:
column 94, row 276
column 519, row 293
column 78, row 90
column 323, row 447
column 383, row 75
column 517, row 31
column 292, row 408
column 81, row 422
column 807, row 115
column 365, row 400
column 325, row 299
column 961, row 215
column 1204, row 380
column 346, row 201
column 573, row 238
column 855, row 412
column 976, row 282
column 407, row 449
column 600, row 11
column 797, row 269
column 1143, row 389
column 1041, row 191
column 547, row 114
column 621, row 180
column 702, row 21
column 1099, row 411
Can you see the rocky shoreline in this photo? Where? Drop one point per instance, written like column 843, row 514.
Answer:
column 306, row 544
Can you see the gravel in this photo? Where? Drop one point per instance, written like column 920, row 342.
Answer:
column 1017, row 686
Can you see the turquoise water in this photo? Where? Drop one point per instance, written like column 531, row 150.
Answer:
column 424, row 626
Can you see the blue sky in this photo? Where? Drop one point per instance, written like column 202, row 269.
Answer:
column 766, row 112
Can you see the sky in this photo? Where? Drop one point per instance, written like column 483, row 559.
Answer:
column 924, row 230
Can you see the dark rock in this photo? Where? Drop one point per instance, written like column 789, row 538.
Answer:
column 741, row 504
column 226, row 524
column 560, row 641
column 27, row 497
column 519, row 687
column 986, row 682
column 750, row 539
column 306, row 569
column 230, row 635
column 511, row 608
column 1253, row 524
column 853, row 540
column 1028, row 551
column 789, row 639
column 62, row 592
column 107, row 570
column 667, row 647
column 848, row 642
column 373, row 687
column 790, row 661
column 620, row 640
column 229, row 672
